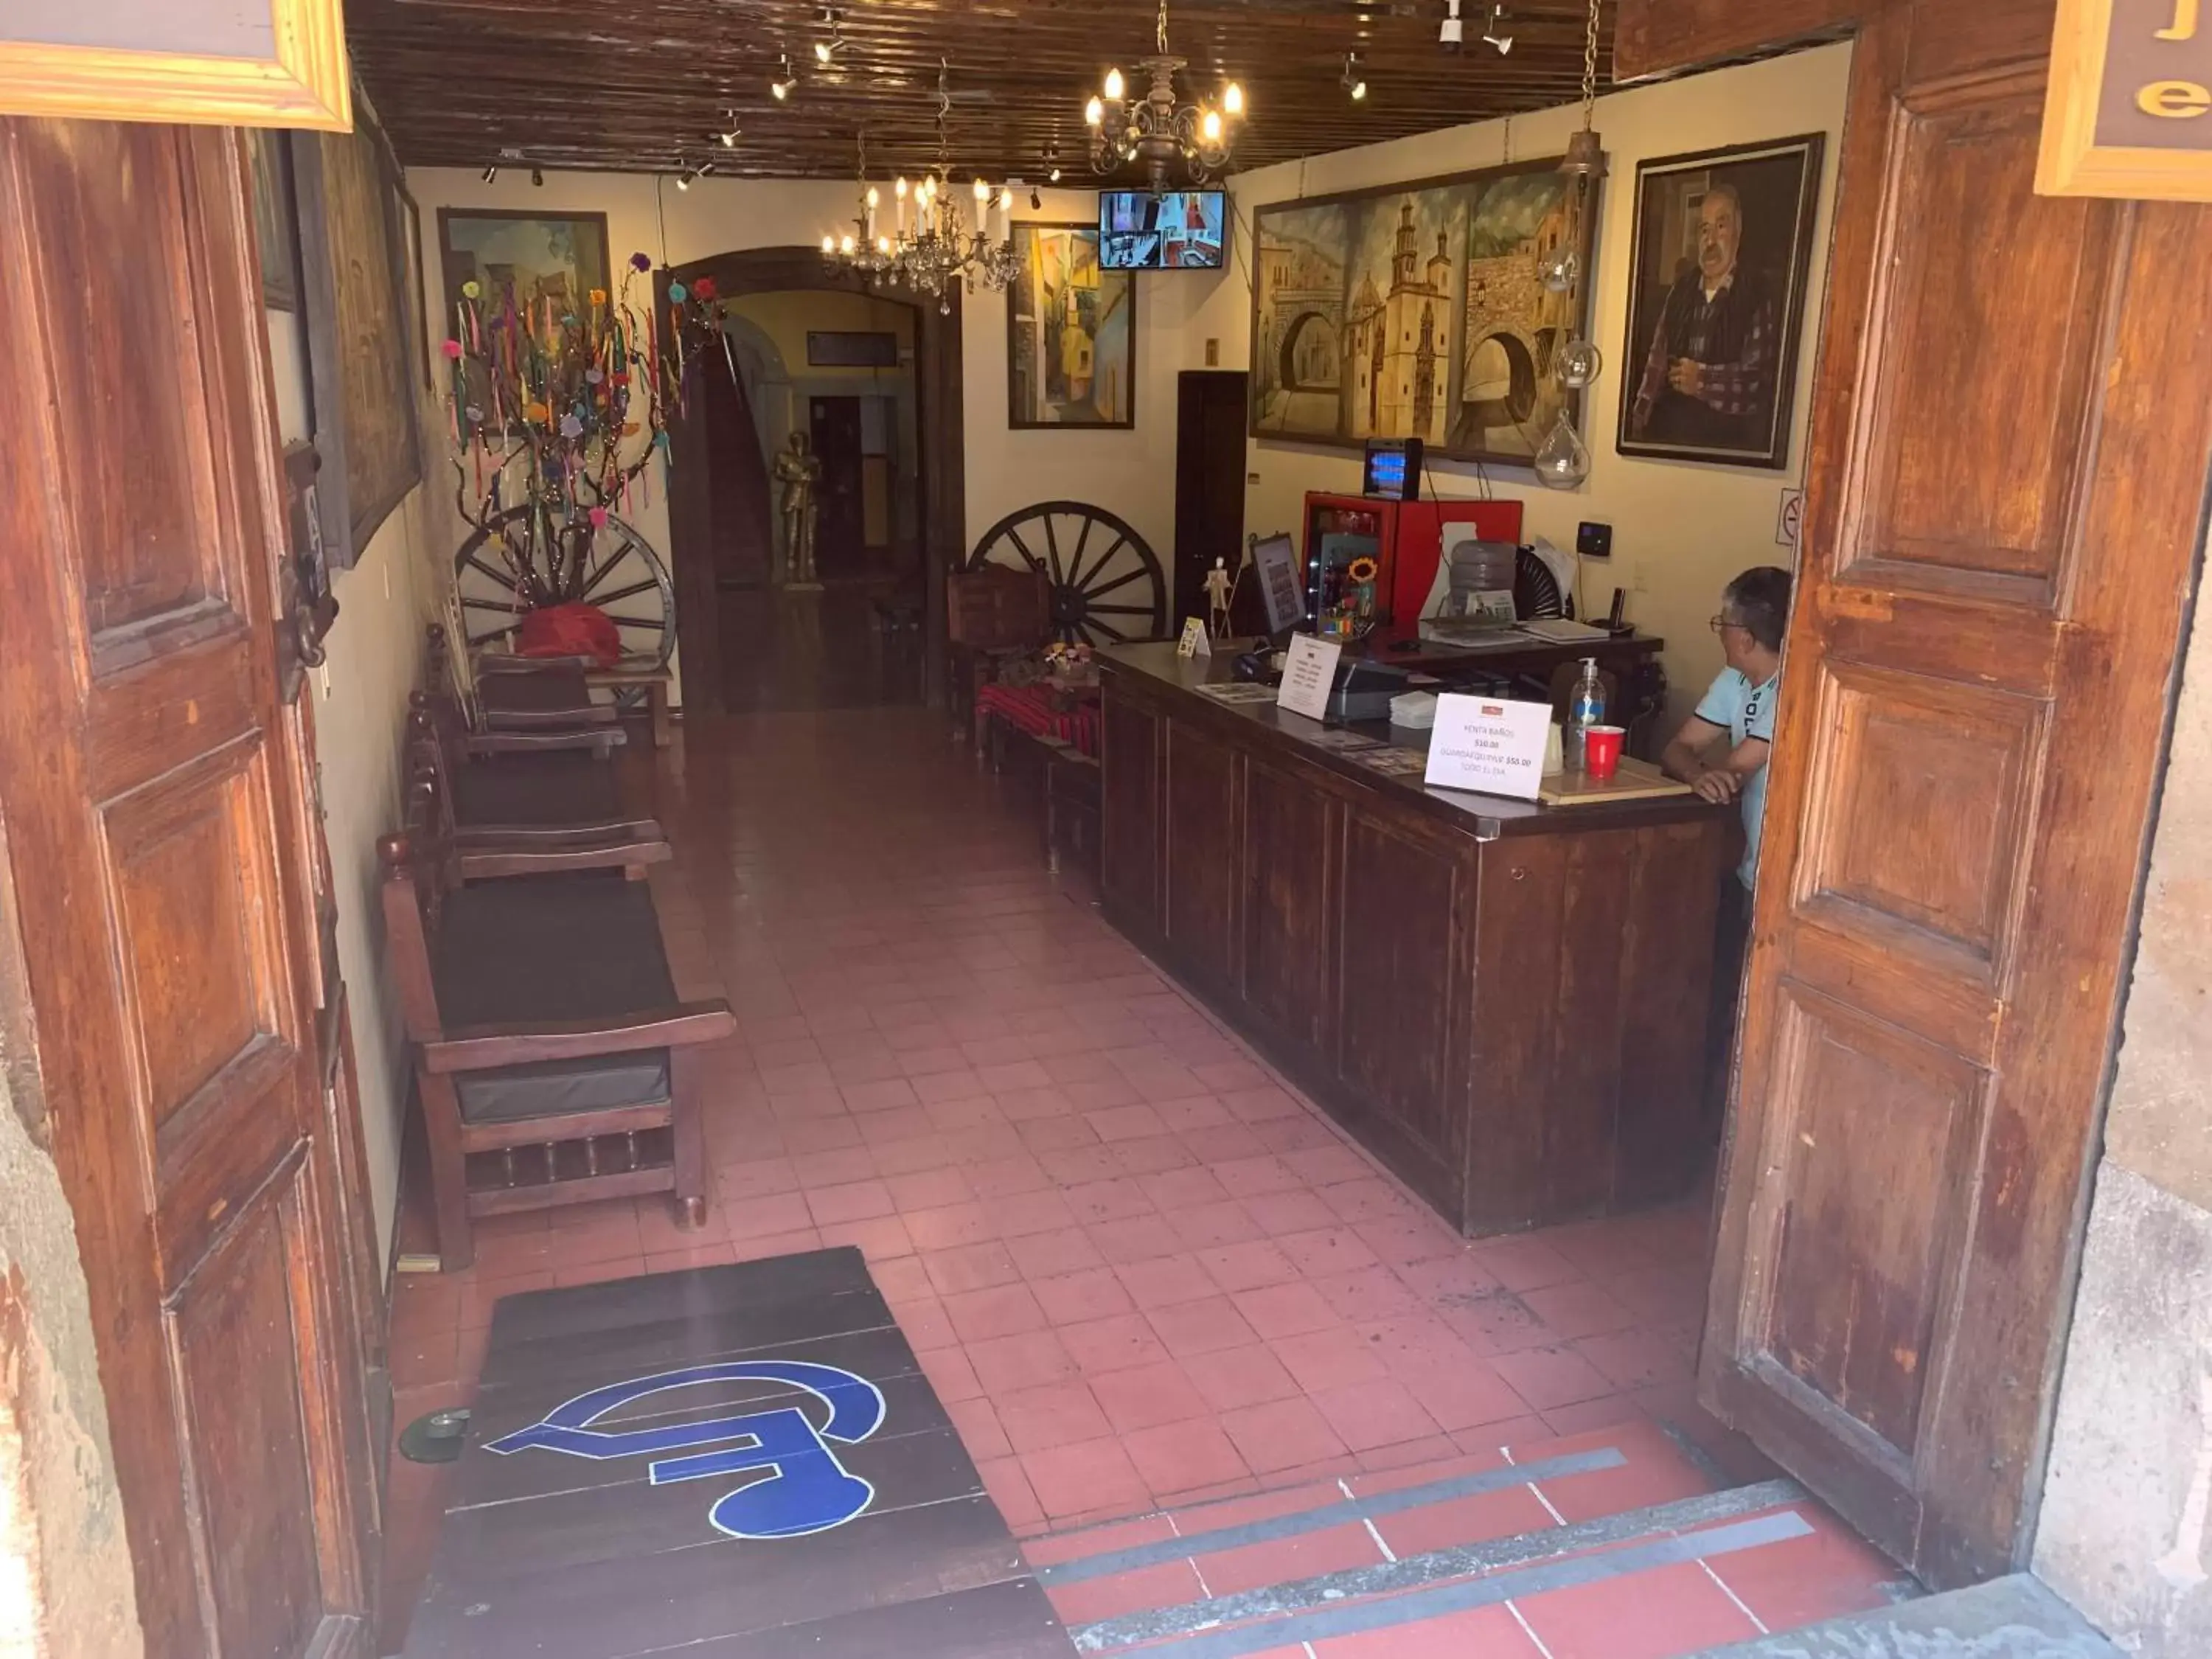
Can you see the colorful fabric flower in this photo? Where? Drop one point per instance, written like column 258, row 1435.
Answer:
column 640, row 262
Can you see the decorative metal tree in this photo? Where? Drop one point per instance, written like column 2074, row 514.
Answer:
column 558, row 410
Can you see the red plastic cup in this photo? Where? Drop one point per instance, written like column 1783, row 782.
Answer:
column 1602, row 751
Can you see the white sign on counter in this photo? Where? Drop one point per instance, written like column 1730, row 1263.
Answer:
column 1309, row 676
column 1491, row 745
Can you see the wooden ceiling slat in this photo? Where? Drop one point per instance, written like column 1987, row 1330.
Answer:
column 646, row 85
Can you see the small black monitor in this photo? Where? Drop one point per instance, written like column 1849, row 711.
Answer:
column 1393, row 469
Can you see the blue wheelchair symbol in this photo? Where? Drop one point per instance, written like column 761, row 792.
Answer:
column 807, row 1489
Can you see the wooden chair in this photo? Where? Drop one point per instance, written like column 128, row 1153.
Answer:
column 537, row 789
column 990, row 615
column 554, row 1063
column 508, row 693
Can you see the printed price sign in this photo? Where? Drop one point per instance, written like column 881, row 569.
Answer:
column 1309, row 677
column 1491, row 745
column 1194, row 643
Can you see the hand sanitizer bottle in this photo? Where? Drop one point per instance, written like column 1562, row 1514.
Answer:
column 1586, row 709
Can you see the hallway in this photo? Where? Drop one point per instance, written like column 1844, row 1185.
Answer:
column 1140, row 1272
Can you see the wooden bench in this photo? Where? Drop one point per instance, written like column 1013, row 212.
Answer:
column 555, row 1062
column 539, row 789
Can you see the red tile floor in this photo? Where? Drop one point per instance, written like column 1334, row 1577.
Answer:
column 1139, row 1268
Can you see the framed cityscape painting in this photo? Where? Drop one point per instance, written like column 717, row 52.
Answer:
column 1070, row 333
column 1716, row 303
column 1415, row 311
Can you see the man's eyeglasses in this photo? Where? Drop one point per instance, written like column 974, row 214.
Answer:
column 1721, row 624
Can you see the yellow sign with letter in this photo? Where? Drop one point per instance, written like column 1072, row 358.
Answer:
column 2129, row 109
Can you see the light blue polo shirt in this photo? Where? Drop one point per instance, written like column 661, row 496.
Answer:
column 1747, row 711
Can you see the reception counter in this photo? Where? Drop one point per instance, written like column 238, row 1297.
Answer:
column 1505, row 1003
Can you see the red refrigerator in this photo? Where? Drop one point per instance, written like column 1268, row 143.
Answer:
column 1406, row 539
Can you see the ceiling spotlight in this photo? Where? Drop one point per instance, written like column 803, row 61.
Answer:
column 826, row 50
column 1490, row 36
column 491, row 173
column 537, row 177
column 782, row 86
column 1453, row 31
column 729, row 135
column 1053, row 177
column 682, row 181
column 1351, row 79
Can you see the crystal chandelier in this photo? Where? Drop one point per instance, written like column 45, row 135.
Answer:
column 932, row 250
column 1563, row 460
column 1155, row 129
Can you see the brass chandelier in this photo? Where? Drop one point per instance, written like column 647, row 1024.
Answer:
column 930, row 248
column 1157, row 129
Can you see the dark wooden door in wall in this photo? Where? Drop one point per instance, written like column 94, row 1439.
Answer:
column 2005, row 488
column 834, row 425
column 1209, row 481
column 150, row 784
column 738, row 525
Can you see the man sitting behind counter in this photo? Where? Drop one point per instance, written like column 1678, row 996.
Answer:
column 1739, row 706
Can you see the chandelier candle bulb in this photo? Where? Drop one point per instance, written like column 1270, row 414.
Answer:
column 1094, row 113
column 1115, row 85
column 1209, row 125
column 1232, row 99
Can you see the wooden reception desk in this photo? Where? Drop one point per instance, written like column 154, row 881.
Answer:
column 1505, row 1003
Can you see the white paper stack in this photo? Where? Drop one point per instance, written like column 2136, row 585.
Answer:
column 1416, row 711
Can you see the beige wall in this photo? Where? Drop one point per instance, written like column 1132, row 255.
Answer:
column 1679, row 530
column 2122, row 1532
column 374, row 660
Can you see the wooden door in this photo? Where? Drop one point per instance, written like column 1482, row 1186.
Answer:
column 839, row 539
column 149, row 781
column 2009, row 463
column 1209, row 482
column 740, row 505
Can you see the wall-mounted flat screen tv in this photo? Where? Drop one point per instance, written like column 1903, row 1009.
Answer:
column 1175, row 230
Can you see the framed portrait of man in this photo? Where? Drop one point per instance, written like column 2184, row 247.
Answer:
column 1716, row 303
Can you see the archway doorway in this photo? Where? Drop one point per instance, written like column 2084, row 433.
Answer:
column 892, row 510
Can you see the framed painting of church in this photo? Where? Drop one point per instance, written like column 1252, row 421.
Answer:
column 1716, row 303
column 1414, row 310
column 1070, row 333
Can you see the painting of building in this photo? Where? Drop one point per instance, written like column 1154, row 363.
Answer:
column 1509, row 398
column 1297, row 330
column 1398, row 354
column 1414, row 310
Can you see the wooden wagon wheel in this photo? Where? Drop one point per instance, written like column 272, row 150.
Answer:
column 503, row 572
column 1106, row 585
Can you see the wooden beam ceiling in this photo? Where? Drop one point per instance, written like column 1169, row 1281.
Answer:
column 647, row 85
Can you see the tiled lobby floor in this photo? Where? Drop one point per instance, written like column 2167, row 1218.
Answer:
column 1140, row 1269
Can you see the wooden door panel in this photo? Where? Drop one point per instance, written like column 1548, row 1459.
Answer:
column 1402, row 899
column 247, row 1429
column 151, row 783
column 1916, row 826
column 1200, row 870
column 1129, row 827
column 1289, row 933
column 1868, row 1170
column 1990, row 359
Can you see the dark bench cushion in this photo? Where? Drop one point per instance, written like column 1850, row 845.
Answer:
column 553, row 949
column 556, row 1088
column 538, row 790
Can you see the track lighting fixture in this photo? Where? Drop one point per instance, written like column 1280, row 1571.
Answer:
column 1492, row 36
column 729, row 134
column 826, row 50
column 683, row 181
column 1452, row 32
column 784, row 84
column 491, row 173
column 1053, row 177
column 1351, row 79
